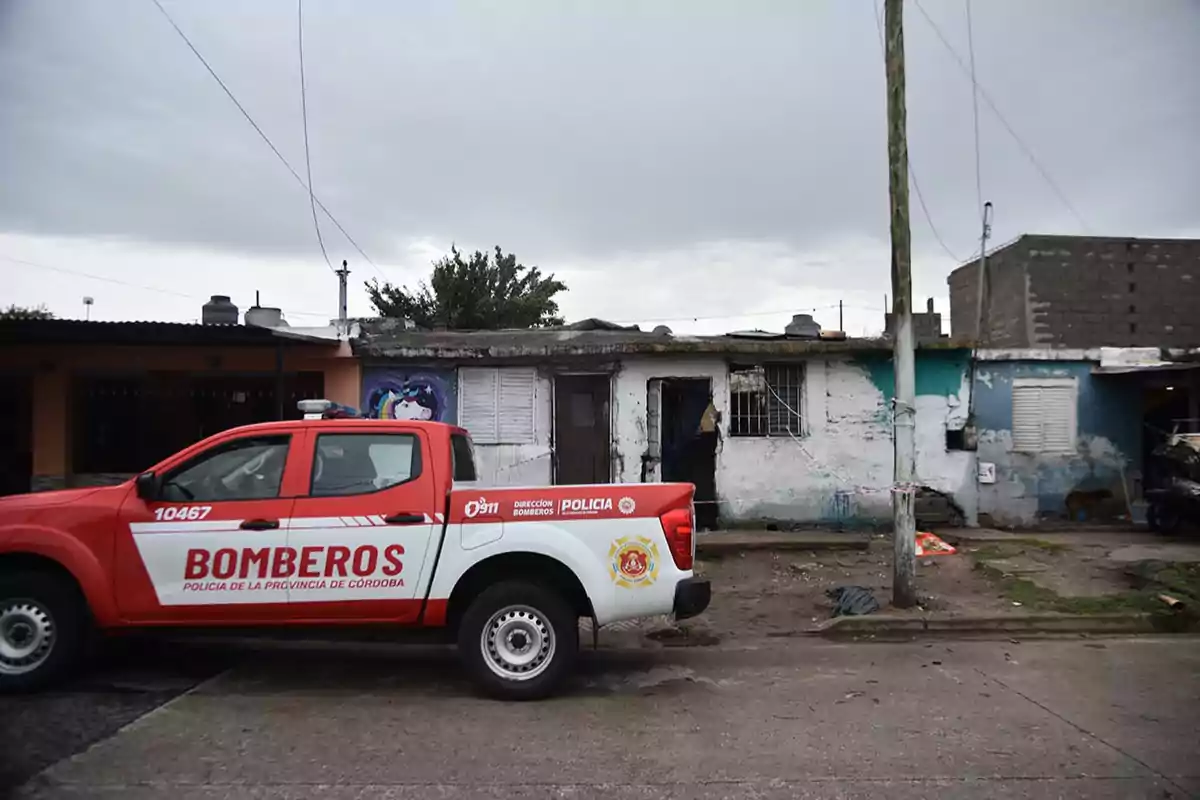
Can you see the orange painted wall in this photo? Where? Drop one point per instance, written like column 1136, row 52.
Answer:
column 52, row 368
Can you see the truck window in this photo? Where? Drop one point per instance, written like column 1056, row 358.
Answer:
column 463, row 457
column 361, row 463
column 243, row 469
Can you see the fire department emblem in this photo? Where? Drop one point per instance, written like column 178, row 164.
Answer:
column 626, row 506
column 633, row 562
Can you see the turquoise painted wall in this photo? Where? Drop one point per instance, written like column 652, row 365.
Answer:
column 938, row 372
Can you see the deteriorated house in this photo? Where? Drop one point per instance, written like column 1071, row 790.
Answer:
column 769, row 427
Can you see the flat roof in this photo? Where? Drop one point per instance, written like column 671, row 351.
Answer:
column 387, row 339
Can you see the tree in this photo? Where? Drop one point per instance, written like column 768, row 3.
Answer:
column 20, row 312
column 476, row 292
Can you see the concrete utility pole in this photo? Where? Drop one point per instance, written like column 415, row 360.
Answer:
column 904, row 589
column 343, row 278
column 982, row 278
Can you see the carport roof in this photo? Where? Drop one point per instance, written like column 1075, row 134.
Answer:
column 74, row 331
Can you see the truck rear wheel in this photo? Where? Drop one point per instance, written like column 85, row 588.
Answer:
column 42, row 629
column 518, row 640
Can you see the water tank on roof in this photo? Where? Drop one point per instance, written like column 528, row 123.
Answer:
column 264, row 317
column 803, row 326
column 219, row 311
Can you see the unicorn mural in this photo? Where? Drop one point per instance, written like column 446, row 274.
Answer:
column 399, row 394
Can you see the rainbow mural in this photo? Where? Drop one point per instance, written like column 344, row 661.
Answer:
column 410, row 394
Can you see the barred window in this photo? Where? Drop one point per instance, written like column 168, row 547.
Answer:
column 765, row 399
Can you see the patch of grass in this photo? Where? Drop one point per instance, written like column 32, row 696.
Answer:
column 1043, row 544
column 1039, row 598
column 1179, row 579
column 997, row 550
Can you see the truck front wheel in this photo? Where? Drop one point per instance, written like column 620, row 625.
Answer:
column 42, row 629
column 518, row 640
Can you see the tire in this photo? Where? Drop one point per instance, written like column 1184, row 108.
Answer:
column 538, row 621
column 43, row 630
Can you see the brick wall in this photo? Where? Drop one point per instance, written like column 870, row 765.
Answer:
column 927, row 326
column 1005, row 301
column 1067, row 291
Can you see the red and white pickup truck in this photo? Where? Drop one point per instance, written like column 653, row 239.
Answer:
column 335, row 521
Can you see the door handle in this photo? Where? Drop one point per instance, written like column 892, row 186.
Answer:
column 404, row 518
column 260, row 525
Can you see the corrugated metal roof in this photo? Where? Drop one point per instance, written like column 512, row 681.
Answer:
column 75, row 331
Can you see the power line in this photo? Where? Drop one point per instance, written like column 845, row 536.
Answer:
column 974, row 106
column 929, row 217
column 1054, row 187
column 264, row 136
column 141, row 286
column 312, row 201
column 912, row 172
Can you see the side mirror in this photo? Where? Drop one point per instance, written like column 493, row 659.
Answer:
column 147, row 486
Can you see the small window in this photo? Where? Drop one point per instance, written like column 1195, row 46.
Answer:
column 765, row 400
column 362, row 463
column 1044, row 415
column 464, row 458
column 244, row 469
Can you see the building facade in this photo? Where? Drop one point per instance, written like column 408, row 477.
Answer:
column 88, row 403
column 1081, row 292
column 782, row 430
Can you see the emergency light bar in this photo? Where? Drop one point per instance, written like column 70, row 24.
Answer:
column 326, row 409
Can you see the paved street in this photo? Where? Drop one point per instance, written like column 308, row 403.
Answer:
column 790, row 718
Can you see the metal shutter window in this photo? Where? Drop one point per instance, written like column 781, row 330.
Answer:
column 1044, row 415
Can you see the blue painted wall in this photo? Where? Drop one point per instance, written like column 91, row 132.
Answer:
column 1032, row 486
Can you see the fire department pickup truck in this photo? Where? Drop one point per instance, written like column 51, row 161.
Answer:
column 342, row 521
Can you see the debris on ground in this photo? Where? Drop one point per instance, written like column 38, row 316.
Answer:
column 852, row 601
column 930, row 545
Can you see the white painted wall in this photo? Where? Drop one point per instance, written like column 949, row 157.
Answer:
column 843, row 463
column 847, row 446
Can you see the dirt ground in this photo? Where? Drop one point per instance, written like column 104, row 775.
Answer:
column 767, row 594
column 764, row 594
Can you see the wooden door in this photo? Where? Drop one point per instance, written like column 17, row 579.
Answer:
column 581, row 429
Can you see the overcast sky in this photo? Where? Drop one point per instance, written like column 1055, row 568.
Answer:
column 669, row 160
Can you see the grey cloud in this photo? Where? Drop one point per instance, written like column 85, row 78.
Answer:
column 586, row 134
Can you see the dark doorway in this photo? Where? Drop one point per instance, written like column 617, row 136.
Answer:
column 581, row 440
column 16, row 440
column 689, row 442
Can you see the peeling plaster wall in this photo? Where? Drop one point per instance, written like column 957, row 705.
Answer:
column 1034, row 486
column 841, row 469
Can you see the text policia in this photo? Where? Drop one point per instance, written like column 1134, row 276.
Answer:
column 316, row 567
